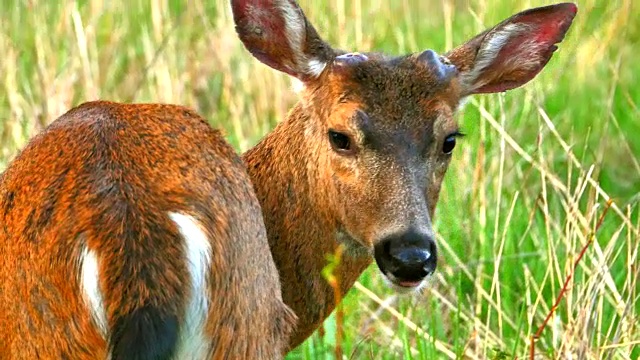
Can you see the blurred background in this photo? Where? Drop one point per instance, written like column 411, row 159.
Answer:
column 526, row 192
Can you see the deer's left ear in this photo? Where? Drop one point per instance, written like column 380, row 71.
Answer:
column 513, row 52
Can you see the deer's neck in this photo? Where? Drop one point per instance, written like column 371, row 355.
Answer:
column 301, row 233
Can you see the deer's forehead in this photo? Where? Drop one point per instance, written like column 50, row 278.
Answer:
column 399, row 85
column 394, row 92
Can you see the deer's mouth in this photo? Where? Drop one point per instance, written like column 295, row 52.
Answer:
column 404, row 286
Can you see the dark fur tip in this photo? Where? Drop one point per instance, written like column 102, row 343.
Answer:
column 572, row 8
column 144, row 334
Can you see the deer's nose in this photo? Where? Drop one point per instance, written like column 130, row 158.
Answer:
column 407, row 258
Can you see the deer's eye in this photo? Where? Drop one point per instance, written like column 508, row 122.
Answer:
column 341, row 143
column 450, row 142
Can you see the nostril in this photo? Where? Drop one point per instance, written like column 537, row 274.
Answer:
column 431, row 263
column 431, row 245
column 383, row 254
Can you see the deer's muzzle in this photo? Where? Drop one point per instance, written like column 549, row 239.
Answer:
column 406, row 259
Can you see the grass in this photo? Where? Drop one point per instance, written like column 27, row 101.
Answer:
column 522, row 199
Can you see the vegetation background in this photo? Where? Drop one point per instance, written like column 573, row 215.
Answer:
column 524, row 194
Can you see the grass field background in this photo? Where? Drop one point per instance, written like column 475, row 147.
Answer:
column 524, row 194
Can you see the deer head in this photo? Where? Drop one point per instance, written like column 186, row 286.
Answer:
column 378, row 131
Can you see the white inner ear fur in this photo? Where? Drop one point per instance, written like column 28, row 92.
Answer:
column 295, row 29
column 316, row 67
column 527, row 56
column 462, row 103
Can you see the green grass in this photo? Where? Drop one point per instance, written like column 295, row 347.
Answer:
column 521, row 199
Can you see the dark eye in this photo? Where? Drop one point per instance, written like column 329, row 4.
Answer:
column 341, row 143
column 449, row 144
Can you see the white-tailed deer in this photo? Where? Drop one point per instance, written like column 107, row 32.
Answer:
column 360, row 158
column 134, row 231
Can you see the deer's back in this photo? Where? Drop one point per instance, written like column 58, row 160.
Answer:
column 120, row 216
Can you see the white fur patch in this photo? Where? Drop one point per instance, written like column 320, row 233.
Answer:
column 193, row 343
column 462, row 103
column 90, row 284
column 294, row 24
column 295, row 30
column 497, row 41
column 297, row 85
column 316, row 67
column 491, row 47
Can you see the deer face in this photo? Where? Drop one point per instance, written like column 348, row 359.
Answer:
column 384, row 132
column 381, row 129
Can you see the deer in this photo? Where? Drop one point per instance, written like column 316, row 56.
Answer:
column 135, row 231
column 359, row 161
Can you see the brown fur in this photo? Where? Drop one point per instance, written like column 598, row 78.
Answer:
column 397, row 111
column 104, row 176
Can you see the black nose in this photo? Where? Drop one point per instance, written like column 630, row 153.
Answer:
column 409, row 257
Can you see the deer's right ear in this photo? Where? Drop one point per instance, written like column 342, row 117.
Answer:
column 277, row 33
